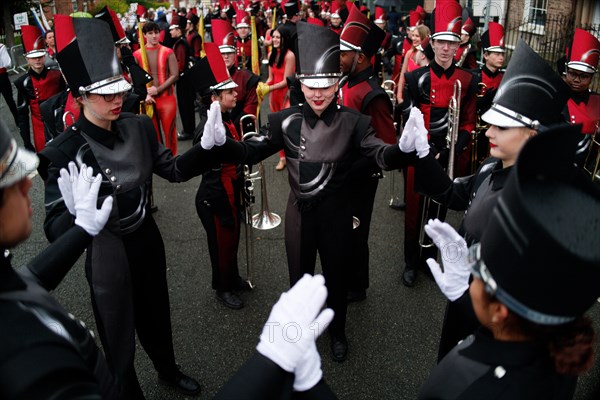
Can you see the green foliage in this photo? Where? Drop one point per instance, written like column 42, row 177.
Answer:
column 118, row 6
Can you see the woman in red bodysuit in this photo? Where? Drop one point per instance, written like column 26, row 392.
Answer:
column 282, row 64
column 418, row 34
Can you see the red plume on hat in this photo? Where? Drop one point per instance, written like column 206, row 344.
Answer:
column 335, row 6
column 356, row 29
column 223, row 35
column 415, row 19
column 380, row 16
column 447, row 20
column 493, row 39
column 468, row 27
column 109, row 16
column 421, row 12
column 33, row 42
column 210, row 73
column 315, row 21
column 241, row 19
column 584, row 52
column 140, row 10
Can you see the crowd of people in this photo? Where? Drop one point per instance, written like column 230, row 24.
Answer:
column 99, row 105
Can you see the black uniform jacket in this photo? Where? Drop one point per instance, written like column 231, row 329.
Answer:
column 320, row 150
column 481, row 367
column 476, row 194
column 45, row 352
column 126, row 157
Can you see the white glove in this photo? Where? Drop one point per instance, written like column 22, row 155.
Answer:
column 454, row 280
column 308, row 371
column 85, row 196
column 420, row 134
column 295, row 322
column 219, row 128
column 207, row 141
column 407, row 139
column 66, row 183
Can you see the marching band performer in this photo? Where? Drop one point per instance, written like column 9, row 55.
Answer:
column 489, row 78
column 583, row 106
column 430, row 89
column 243, row 40
column 359, row 40
column 536, row 338
column 321, row 141
column 531, row 96
column 465, row 55
column 246, row 81
column 218, row 199
column 37, row 85
column 125, row 264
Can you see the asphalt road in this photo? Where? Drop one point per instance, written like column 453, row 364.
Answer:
column 393, row 334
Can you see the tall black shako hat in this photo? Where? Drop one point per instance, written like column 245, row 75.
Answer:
column 539, row 254
column 319, row 54
column 87, row 56
column 16, row 163
column 210, row 73
column 531, row 93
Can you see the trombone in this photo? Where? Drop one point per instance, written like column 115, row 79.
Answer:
column 265, row 219
column 451, row 137
column 390, row 89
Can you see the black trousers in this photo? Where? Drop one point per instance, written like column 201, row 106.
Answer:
column 151, row 312
column 6, row 89
column 186, row 96
column 325, row 228
column 362, row 198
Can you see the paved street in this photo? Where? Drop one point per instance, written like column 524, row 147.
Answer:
column 393, row 334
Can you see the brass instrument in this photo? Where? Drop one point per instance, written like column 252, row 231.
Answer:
column 480, row 129
column 390, row 89
column 248, row 199
column 592, row 161
column 242, row 64
column 265, row 219
column 463, row 56
column 451, row 138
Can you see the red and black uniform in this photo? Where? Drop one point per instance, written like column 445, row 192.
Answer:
column 185, row 90
column 337, row 29
column 470, row 62
column 218, row 203
column 195, row 42
column 247, row 101
column 430, row 89
column 488, row 83
column 584, row 108
column 363, row 94
column 32, row 90
column 244, row 52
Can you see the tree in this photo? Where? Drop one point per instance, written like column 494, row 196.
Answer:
column 9, row 8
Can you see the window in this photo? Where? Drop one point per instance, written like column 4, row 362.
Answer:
column 534, row 16
column 535, row 12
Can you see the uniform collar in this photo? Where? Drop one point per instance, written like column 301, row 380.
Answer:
column 41, row 75
column 100, row 135
column 9, row 279
column 326, row 116
column 500, row 175
column 489, row 72
column 580, row 97
column 503, row 353
column 360, row 77
column 438, row 70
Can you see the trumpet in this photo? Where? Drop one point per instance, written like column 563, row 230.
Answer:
column 592, row 160
column 451, row 138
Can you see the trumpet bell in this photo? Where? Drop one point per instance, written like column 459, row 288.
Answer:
column 355, row 222
column 265, row 220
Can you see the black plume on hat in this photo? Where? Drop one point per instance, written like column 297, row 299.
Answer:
column 319, row 55
column 540, row 246
column 531, row 93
